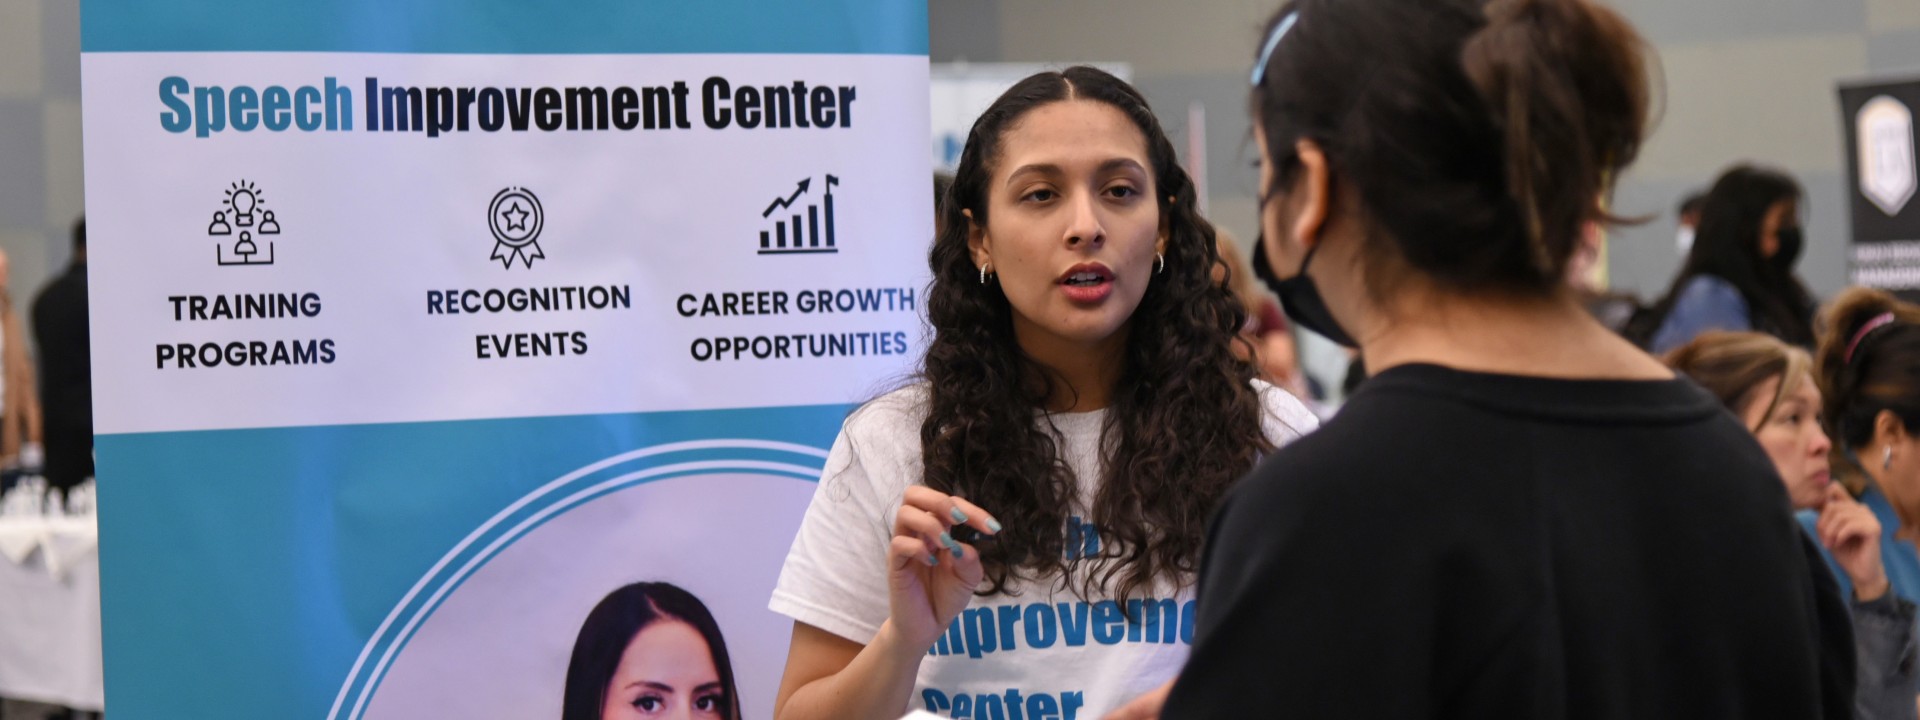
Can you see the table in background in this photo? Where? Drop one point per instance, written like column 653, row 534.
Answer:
column 50, row 611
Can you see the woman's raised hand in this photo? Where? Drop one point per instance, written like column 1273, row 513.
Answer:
column 931, row 575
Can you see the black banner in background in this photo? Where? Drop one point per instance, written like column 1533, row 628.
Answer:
column 1883, row 179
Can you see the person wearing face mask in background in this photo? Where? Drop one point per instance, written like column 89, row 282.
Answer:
column 1769, row 385
column 1505, row 520
column 1739, row 274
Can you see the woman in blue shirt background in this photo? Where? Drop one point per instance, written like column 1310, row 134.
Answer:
column 1769, row 385
column 1868, row 365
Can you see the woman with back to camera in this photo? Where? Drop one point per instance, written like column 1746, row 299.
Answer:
column 1769, row 386
column 1739, row 273
column 650, row 650
column 1505, row 521
column 1080, row 406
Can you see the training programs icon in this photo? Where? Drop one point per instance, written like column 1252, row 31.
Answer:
column 515, row 217
column 788, row 236
column 246, row 216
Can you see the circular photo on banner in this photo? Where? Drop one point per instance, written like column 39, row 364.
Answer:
column 647, row 601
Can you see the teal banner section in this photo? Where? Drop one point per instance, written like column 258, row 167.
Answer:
column 870, row 27
column 244, row 571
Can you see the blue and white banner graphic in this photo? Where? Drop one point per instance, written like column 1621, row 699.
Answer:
column 435, row 341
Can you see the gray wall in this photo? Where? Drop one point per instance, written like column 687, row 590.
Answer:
column 1743, row 80
column 40, row 191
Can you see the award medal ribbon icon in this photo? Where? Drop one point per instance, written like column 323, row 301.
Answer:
column 515, row 217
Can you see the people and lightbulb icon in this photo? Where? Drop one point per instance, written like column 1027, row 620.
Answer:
column 248, row 212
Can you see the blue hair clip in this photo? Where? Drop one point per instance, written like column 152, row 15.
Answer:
column 1273, row 41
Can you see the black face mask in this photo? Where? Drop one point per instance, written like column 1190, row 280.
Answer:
column 1791, row 244
column 1299, row 297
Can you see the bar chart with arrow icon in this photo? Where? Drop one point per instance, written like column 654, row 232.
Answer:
column 798, row 230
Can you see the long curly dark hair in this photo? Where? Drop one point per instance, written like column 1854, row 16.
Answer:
column 1184, row 421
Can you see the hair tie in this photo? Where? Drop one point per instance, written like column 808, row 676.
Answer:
column 1878, row 321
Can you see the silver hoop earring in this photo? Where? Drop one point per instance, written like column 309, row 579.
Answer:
column 1886, row 459
column 983, row 272
column 1159, row 263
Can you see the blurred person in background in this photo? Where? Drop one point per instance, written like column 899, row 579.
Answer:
column 20, row 436
column 1740, row 273
column 1688, row 215
column 1266, row 332
column 1769, row 386
column 1869, row 368
column 942, row 184
column 66, row 369
column 1587, row 275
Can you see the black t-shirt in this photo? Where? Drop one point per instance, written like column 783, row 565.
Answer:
column 1467, row 545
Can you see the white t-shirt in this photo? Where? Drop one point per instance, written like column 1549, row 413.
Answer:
column 1041, row 654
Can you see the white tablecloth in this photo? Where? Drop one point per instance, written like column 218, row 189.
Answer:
column 50, row 611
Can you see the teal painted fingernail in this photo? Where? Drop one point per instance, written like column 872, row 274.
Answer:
column 933, row 560
column 958, row 516
column 993, row 525
column 947, row 540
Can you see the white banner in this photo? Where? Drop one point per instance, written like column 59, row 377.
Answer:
column 434, row 343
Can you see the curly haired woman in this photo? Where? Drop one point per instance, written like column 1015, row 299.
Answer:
column 1016, row 534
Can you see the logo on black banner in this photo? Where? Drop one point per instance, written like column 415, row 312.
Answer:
column 245, row 217
column 1887, row 173
column 797, row 230
column 516, row 218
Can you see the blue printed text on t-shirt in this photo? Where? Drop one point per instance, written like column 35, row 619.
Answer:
column 1009, row 705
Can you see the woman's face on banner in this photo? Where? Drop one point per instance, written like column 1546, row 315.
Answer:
column 666, row 672
column 1073, row 222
